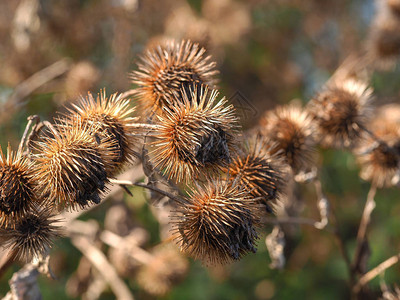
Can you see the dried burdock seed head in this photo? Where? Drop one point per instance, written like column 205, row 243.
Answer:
column 166, row 70
column 341, row 113
column 380, row 161
column 291, row 133
column 167, row 268
column 384, row 42
column 111, row 120
column 16, row 187
column 217, row 222
column 32, row 235
column 394, row 6
column 259, row 171
column 69, row 167
column 195, row 136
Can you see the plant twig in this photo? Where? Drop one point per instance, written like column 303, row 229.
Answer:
column 28, row 86
column 118, row 242
column 52, row 129
column 376, row 271
column 100, row 262
column 144, row 126
column 150, row 187
column 31, row 119
column 90, row 230
column 323, row 205
column 365, row 220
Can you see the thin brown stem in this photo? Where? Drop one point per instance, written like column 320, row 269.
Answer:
column 27, row 87
column 52, row 129
column 365, row 220
column 118, row 242
column 145, row 126
column 141, row 184
column 31, row 119
column 100, row 262
column 367, row 277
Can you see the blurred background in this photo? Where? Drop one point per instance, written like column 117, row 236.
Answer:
column 268, row 53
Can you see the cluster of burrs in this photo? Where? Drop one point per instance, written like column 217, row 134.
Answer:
column 227, row 180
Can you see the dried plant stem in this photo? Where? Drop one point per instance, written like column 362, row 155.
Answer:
column 91, row 230
column 150, row 187
column 25, row 139
column 145, row 126
column 376, row 271
column 323, row 205
column 52, row 129
column 294, row 220
column 365, row 220
column 28, row 86
column 24, row 285
column 100, row 262
column 118, row 242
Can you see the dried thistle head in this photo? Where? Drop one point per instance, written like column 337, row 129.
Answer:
column 166, row 268
column 380, row 162
column 16, row 187
column 70, row 169
column 195, row 135
column 259, row 171
column 341, row 113
column 111, row 120
column 167, row 70
column 32, row 235
column 383, row 45
column 291, row 133
column 217, row 222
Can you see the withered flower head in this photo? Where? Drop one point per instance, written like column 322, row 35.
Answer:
column 341, row 113
column 196, row 135
column 32, row 235
column 291, row 133
column 69, row 167
column 166, row 70
column 16, row 187
column 166, row 268
column 111, row 119
column 217, row 222
column 380, row 161
column 259, row 171
column 383, row 45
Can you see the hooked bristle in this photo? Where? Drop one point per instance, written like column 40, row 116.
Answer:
column 167, row 70
column 341, row 113
column 217, row 223
column 380, row 160
column 111, row 119
column 32, row 235
column 195, row 136
column 291, row 133
column 16, row 187
column 69, row 167
column 259, row 171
